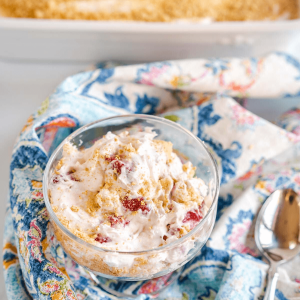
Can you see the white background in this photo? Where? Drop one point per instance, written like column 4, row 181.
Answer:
column 23, row 86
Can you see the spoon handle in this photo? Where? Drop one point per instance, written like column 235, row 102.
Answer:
column 272, row 282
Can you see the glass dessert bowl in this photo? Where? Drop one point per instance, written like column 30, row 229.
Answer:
column 138, row 266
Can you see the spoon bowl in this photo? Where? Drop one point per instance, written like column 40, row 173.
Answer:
column 277, row 232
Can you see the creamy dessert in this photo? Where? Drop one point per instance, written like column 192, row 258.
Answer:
column 127, row 192
column 152, row 10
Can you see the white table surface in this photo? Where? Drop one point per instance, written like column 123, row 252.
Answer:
column 23, row 86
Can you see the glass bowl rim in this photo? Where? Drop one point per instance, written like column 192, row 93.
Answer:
column 137, row 116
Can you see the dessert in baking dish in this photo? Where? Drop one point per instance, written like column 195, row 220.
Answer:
column 152, row 10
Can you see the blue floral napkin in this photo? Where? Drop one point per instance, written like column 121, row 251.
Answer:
column 255, row 158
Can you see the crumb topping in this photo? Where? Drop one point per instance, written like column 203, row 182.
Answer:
column 152, row 10
column 74, row 208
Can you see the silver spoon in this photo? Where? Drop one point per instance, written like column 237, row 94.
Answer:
column 277, row 233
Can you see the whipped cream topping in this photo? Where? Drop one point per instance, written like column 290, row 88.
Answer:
column 127, row 192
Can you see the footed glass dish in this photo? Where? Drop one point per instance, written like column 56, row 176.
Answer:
column 130, row 274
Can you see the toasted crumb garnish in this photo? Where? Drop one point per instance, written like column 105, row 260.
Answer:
column 189, row 169
column 153, row 10
column 59, row 165
column 64, row 221
column 167, row 147
column 74, row 208
column 166, row 183
column 92, row 204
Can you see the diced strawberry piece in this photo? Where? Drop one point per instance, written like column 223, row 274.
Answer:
column 56, row 179
column 118, row 220
column 129, row 169
column 135, row 204
column 71, row 172
column 173, row 231
column 117, row 165
column 110, row 158
column 115, row 162
column 115, row 220
column 102, row 239
column 113, row 157
column 74, row 178
column 194, row 217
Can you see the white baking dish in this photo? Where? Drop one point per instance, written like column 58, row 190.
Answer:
column 90, row 41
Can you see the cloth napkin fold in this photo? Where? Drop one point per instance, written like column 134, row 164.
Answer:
column 255, row 157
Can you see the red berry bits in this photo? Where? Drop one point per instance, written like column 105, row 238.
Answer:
column 110, row 158
column 55, row 180
column 118, row 220
column 135, row 204
column 115, row 163
column 173, row 231
column 193, row 217
column 102, row 239
column 74, row 178
column 71, row 171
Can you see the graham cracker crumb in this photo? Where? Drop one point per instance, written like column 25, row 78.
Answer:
column 60, row 164
column 167, row 184
column 152, row 10
column 189, row 169
column 141, row 261
column 167, row 147
column 129, row 148
column 194, row 197
column 83, row 235
column 92, row 204
column 108, row 185
column 183, row 194
column 145, row 190
column 74, row 208
column 96, row 154
column 64, row 221
column 67, row 147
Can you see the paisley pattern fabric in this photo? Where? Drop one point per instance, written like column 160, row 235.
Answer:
column 255, row 157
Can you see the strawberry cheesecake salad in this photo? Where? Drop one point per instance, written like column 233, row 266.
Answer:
column 128, row 193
